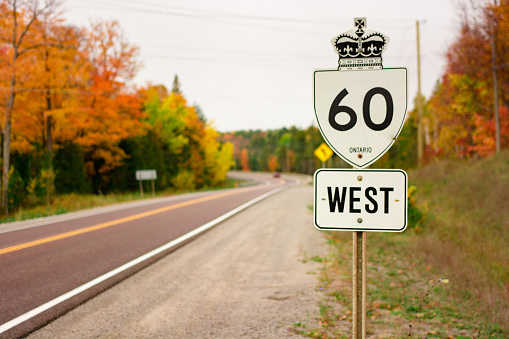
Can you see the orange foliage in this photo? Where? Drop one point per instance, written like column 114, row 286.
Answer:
column 50, row 74
column 273, row 163
column 484, row 134
column 244, row 160
column 461, row 109
column 79, row 78
column 194, row 133
column 112, row 57
column 103, row 113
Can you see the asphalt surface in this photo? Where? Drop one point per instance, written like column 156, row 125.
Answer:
column 44, row 259
column 245, row 278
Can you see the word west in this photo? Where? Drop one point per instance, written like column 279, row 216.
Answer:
column 370, row 199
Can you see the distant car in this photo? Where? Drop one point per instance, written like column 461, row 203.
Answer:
column 277, row 174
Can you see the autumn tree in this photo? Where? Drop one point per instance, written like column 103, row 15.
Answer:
column 106, row 111
column 166, row 116
column 175, row 88
column 244, row 159
column 272, row 163
column 285, row 151
column 193, row 153
column 56, row 69
column 461, row 109
column 18, row 19
column 62, row 69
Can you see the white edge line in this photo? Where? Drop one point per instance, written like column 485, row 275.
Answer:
column 38, row 310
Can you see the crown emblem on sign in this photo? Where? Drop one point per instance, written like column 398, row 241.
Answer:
column 360, row 48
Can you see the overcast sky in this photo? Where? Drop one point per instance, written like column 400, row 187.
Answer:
column 249, row 64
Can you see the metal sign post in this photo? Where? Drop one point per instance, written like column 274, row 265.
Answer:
column 359, row 285
column 360, row 108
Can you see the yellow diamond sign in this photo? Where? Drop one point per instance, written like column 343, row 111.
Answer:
column 323, row 152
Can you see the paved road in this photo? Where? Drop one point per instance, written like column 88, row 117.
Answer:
column 44, row 260
column 244, row 278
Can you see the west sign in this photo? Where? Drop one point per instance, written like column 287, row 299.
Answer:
column 361, row 200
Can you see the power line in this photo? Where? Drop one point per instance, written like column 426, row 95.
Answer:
column 204, row 18
column 222, row 14
column 216, row 16
column 194, row 12
column 62, row 91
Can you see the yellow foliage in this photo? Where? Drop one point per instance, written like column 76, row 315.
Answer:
column 184, row 180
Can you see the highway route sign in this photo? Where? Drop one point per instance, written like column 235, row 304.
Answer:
column 360, row 113
column 360, row 106
column 361, row 200
column 323, row 152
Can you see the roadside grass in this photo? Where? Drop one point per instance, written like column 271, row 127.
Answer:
column 446, row 276
column 468, row 229
column 75, row 202
column 406, row 296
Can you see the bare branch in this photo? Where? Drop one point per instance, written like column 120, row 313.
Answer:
column 26, row 49
column 36, row 12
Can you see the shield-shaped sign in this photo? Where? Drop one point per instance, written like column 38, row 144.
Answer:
column 360, row 112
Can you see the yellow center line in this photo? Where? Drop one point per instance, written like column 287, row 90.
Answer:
column 117, row 221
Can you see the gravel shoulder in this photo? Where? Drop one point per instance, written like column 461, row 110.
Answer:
column 244, row 278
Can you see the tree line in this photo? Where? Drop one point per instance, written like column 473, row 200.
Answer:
column 72, row 122
column 459, row 118
column 292, row 150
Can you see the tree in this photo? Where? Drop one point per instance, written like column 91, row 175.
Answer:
column 194, row 158
column 462, row 109
column 166, row 116
column 273, row 164
column 61, row 69
column 18, row 18
column 218, row 158
column 191, row 145
column 175, row 88
column 52, row 71
column 105, row 111
column 244, row 159
column 286, row 152
column 223, row 163
column 199, row 113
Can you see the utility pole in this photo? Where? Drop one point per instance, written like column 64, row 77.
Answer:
column 495, row 86
column 420, row 144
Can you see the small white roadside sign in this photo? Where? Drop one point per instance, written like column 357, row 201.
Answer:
column 361, row 200
column 146, row 175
